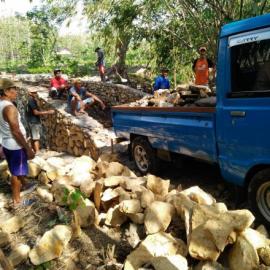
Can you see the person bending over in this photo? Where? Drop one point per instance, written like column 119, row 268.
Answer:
column 33, row 116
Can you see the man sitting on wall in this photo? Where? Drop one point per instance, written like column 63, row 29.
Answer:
column 58, row 84
column 82, row 99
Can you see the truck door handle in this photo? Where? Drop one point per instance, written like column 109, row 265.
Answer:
column 238, row 113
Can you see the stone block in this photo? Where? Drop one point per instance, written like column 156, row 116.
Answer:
column 51, row 244
column 86, row 213
column 12, row 225
column 4, row 239
column 199, row 196
column 130, row 206
column 115, row 217
column 33, row 169
column 155, row 245
column 137, row 218
column 243, row 255
column 158, row 217
column 157, row 185
column 19, row 254
column 147, row 197
column 173, row 262
column 45, row 194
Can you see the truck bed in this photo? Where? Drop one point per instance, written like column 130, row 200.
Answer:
column 185, row 130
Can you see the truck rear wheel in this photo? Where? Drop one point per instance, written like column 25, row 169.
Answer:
column 259, row 196
column 144, row 155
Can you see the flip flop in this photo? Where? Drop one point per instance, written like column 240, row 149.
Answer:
column 28, row 202
column 23, row 203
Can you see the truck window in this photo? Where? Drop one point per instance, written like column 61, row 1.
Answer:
column 250, row 69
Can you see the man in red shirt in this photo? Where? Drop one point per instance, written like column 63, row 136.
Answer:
column 58, row 84
column 201, row 68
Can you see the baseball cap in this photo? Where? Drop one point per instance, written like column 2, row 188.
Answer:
column 32, row 90
column 202, row 49
column 6, row 83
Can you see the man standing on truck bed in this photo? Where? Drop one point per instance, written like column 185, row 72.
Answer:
column 162, row 81
column 201, row 67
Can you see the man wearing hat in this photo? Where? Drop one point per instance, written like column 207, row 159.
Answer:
column 201, row 67
column 33, row 117
column 58, row 84
column 15, row 146
column 162, row 81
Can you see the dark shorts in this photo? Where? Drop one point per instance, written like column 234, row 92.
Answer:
column 17, row 161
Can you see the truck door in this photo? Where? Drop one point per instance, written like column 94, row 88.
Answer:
column 243, row 110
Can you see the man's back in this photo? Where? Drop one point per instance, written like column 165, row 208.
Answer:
column 31, row 106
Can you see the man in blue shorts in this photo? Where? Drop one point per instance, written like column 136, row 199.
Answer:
column 15, row 146
column 82, row 99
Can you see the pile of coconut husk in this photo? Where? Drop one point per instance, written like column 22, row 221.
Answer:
column 107, row 193
column 184, row 95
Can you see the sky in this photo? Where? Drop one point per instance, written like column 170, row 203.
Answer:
column 10, row 7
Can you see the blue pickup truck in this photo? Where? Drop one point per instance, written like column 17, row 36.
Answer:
column 234, row 134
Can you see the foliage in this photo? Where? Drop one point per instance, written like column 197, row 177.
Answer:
column 44, row 266
column 14, row 42
column 73, row 199
column 132, row 32
column 43, row 37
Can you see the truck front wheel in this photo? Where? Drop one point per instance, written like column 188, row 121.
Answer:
column 144, row 155
column 259, row 196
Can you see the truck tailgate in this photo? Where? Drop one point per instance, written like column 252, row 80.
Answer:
column 188, row 131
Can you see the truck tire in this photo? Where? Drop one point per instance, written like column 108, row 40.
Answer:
column 144, row 155
column 259, row 196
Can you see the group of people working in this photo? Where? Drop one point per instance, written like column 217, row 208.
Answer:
column 16, row 147
column 78, row 97
column 201, row 68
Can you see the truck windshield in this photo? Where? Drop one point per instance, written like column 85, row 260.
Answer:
column 250, row 69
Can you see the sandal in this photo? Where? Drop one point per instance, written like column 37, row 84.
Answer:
column 24, row 203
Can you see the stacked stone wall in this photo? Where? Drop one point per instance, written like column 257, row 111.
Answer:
column 111, row 94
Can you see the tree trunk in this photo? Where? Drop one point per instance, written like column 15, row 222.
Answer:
column 121, row 53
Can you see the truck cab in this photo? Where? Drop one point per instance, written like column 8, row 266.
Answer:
column 243, row 107
column 234, row 134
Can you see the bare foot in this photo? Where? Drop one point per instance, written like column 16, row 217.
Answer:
column 82, row 112
column 75, row 113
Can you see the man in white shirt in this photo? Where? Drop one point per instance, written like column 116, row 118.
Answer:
column 15, row 147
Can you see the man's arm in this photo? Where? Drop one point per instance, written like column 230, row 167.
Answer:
column 34, row 107
column 10, row 115
column 52, row 82
column 96, row 98
column 39, row 113
column 75, row 95
column 194, row 65
column 157, row 84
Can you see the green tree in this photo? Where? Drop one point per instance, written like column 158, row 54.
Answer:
column 14, row 42
column 43, row 37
